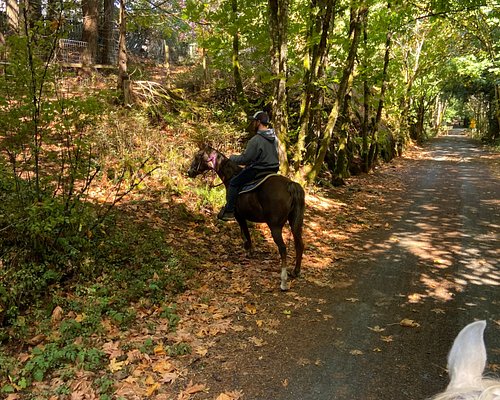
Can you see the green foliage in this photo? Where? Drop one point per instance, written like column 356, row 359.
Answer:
column 51, row 356
column 179, row 349
column 211, row 197
column 169, row 314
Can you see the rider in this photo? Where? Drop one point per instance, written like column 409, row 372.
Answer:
column 261, row 154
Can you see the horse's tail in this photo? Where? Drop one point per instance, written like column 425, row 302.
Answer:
column 296, row 220
column 296, row 217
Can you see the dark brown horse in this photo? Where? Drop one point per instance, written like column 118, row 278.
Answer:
column 275, row 201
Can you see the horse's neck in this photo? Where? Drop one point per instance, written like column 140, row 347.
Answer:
column 227, row 169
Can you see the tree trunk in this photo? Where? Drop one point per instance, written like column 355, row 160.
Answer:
column 419, row 124
column 314, row 63
column 123, row 78
column 90, row 32
column 279, row 59
column 238, row 83
column 366, row 105
column 372, row 153
column 12, row 12
column 314, row 165
column 108, row 23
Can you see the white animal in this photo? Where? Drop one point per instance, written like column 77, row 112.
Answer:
column 466, row 363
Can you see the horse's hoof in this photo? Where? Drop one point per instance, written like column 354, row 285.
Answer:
column 284, row 288
column 294, row 275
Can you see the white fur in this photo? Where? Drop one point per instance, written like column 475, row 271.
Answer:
column 284, row 279
column 466, row 363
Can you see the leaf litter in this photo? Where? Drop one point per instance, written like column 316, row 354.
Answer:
column 230, row 295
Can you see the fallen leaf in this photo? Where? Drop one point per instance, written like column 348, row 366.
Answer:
column 352, row 299
column 236, row 395
column 112, row 349
column 376, row 328
column 257, row 342
column 377, row 350
column 153, row 388
column 115, row 366
column 438, row 311
column 238, row 328
column 356, row 352
column 414, row 298
column 169, row 377
column 284, row 382
column 159, row 350
column 162, row 367
column 250, row 309
column 80, row 317
column 387, row 339
column 36, row 340
column 57, row 315
column 191, row 389
column 202, row 351
column 409, row 323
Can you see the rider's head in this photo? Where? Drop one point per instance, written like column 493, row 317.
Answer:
column 260, row 120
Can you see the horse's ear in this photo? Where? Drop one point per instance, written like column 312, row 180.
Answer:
column 467, row 357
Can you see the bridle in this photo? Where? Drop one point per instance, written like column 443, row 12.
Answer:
column 211, row 161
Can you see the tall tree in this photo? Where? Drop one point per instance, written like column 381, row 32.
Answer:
column 278, row 25
column 123, row 77
column 314, row 164
column 238, row 82
column 12, row 12
column 321, row 19
column 90, row 32
column 107, row 34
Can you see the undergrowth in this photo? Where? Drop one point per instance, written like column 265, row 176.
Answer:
column 81, row 254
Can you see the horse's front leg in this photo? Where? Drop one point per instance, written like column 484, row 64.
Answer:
column 276, row 232
column 245, row 234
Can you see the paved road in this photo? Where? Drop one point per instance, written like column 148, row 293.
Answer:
column 438, row 265
column 435, row 264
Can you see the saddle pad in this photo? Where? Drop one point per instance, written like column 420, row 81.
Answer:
column 254, row 184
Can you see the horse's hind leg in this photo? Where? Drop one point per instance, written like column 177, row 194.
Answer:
column 299, row 251
column 245, row 234
column 276, row 232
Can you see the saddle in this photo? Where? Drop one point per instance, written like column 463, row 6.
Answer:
column 259, row 179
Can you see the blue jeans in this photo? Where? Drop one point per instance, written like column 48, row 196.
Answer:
column 245, row 176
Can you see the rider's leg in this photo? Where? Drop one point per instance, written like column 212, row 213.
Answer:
column 245, row 176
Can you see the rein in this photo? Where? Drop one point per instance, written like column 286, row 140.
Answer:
column 219, row 184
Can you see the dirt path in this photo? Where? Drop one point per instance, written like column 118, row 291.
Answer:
column 421, row 246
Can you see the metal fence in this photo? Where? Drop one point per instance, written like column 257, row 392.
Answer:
column 70, row 51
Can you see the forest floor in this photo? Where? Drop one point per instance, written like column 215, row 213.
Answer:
column 354, row 303
column 234, row 304
column 238, row 336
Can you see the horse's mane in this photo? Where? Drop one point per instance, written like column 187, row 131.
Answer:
column 466, row 364
column 486, row 389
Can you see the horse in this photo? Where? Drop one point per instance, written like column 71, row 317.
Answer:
column 274, row 202
column 466, row 363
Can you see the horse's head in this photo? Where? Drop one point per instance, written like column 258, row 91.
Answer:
column 466, row 363
column 202, row 161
